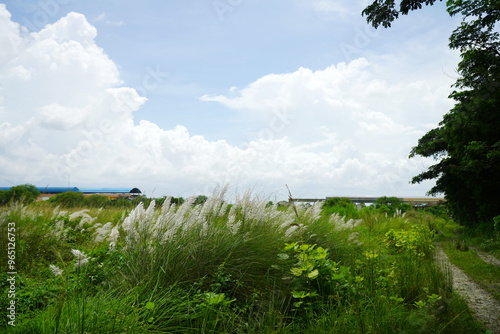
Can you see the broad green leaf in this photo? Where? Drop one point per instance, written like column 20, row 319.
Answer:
column 313, row 274
column 307, row 266
column 304, row 247
column 214, row 298
column 300, row 294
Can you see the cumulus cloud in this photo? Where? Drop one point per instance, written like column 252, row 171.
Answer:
column 351, row 99
column 66, row 118
column 345, row 125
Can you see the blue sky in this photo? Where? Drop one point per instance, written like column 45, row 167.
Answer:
column 253, row 93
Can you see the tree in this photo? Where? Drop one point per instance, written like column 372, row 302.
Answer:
column 24, row 193
column 390, row 205
column 200, row 199
column 466, row 143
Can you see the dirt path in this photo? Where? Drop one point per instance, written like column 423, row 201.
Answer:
column 485, row 308
column 488, row 258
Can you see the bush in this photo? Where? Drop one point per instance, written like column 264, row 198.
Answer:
column 439, row 210
column 341, row 205
column 417, row 241
column 68, row 199
column 96, row 201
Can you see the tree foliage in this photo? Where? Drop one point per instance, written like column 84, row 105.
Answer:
column 391, row 205
column 383, row 12
column 466, row 143
column 24, row 193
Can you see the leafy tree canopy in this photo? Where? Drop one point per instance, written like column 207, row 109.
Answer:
column 338, row 201
column 391, row 204
column 466, row 143
column 25, row 193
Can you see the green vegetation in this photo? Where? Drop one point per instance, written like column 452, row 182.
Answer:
column 391, row 205
column 25, row 193
column 215, row 267
column 70, row 199
column 467, row 141
column 340, row 205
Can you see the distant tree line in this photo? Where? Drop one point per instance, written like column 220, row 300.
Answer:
column 385, row 205
column 27, row 193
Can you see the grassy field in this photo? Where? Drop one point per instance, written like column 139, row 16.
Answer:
column 245, row 267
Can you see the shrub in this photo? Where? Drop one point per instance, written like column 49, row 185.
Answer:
column 96, row 201
column 418, row 240
column 68, row 199
column 314, row 274
column 340, row 205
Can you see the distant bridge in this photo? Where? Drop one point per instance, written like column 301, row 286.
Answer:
column 358, row 200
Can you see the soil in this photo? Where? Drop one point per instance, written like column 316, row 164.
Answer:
column 486, row 309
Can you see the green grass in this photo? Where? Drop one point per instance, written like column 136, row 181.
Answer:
column 219, row 268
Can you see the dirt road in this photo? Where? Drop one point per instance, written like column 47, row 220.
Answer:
column 485, row 308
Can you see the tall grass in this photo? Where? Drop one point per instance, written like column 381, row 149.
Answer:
column 228, row 268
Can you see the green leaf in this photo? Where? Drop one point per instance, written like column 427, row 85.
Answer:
column 313, row 274
column 420, row 304
column 303, row 257
column 307, row 266
column 300, row 294
column 150, row 305
column 305, row 247
column 214, row 298
column 296, row 271
column 337, row 277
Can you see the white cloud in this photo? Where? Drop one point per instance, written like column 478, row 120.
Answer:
column 57, row 117
column 351, row 99
column 336, row 8
column 330, row 6
column 67, row 118
column 370, row 122
column 102, row 18
column 11, row 41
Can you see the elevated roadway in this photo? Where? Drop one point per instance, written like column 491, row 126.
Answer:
column 364, row 200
